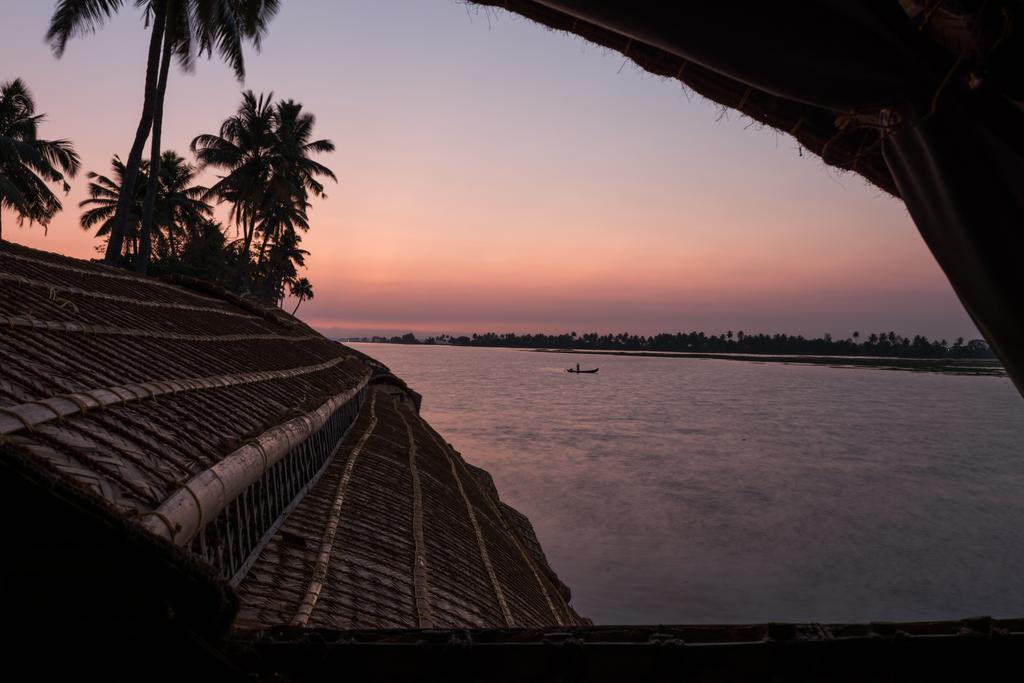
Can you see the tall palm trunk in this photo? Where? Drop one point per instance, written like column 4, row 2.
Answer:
column 131, row 168
column 149, row 203
column 245, row 274
column 249, row 233
column 263, row 250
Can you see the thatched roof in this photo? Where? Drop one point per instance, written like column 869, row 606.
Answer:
column 131, row 387
column 218, row 432
column 845, row 133
column 400, row 532
column 815, row 129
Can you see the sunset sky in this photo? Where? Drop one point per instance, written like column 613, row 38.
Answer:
column 498, row 176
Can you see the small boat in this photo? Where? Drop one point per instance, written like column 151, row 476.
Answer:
column 577, row 371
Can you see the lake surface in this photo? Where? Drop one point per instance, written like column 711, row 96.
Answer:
column 694, row 491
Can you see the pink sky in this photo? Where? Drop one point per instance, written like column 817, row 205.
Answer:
column 498, row 176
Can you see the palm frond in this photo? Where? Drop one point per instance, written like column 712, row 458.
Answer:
column 73, row 18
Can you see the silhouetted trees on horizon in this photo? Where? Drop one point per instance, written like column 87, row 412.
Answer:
column 265, row 153
column 150, row 213
column 875, row 344
column 183, row 29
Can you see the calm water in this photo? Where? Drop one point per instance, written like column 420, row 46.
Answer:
column 690, row 491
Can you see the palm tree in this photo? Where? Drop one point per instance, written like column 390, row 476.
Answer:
column 104, row 196
column 76, row 17
column 241, row 149
column 200, row 25
column 295, row 174
column 301, row 289
column 278, row 218
column 281, row 267
column 27, row 163
column 178, row 205
column 181, row 27
column 294, row 146
column 266, row 150
column 284, row 258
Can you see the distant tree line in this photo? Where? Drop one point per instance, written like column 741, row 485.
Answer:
column 875, row 344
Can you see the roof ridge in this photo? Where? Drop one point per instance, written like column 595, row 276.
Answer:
column 98, row 271
column 200, row 499
column 71, row 289
column 31, row 414
column 32, row 322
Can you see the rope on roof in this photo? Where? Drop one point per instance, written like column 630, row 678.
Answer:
column 68, row 289
column 204, row 496
column 101, row 273
column 323, row 560
column 32, row 322
column 420, row 580
column 560, row 618
column 29, row 415
column 481, row 544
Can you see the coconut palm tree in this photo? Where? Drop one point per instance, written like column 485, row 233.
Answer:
column 104, row 196
column 276, row 219
column 301, row 289
column 242, row 149
column 184, row 28
column 284, row 258
column 294, row 146
column 203, row 26
column 28, row 163
column 178, row 206
column 266, row 151
column 76, row 17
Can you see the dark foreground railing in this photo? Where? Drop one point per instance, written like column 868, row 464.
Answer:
column 232, row 541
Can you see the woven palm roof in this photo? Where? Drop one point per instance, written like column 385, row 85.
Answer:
column 130, row 386
column 922, row 44
column 398, row 497
column 815, row 129
column 292, row 467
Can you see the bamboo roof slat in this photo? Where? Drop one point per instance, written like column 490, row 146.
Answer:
column 485, row 556
column 202, row 497
column 319, row 574
column 561, row 617
column 102, row 271
column 421, row 573
column 109, row 330
column 34, row 413
column 369, row 577
column 54, row 289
